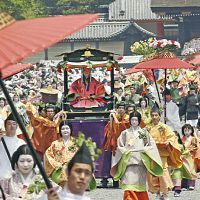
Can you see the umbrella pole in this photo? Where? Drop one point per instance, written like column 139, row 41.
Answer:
column 156, row 85
column 165, row 113
column 24, row 131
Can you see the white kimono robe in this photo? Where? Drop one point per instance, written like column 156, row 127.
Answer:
column 65, row 194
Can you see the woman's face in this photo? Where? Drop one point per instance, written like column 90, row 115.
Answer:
column 198, row 133
column 65, row 131
column 25, row 164
column 187, row 132
column 143, row 104
column 134, row 121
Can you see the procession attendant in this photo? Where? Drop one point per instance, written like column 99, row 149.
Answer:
column 17, row 186
column 197, row 154
column 190, row 143
column 59, row 154
column 135, row 155
column 145, row 111
column 187, row 171
column 119, row 121
column 170, row 153
column 79, row 172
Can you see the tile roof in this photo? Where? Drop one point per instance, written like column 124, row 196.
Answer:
column 175, row 3
column 104, row 30
column 131, row 9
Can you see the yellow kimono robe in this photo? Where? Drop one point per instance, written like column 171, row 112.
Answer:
column 170, row 153
column 56, row 158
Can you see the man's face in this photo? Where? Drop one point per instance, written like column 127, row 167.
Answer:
column 79, row 178
column 86, row 73
column 121, row 110
column 130, row 110
column 50, row 113
column 2, row 103
column 155, row 118
column 132, row 90
column 10, row 127
column 168, row 98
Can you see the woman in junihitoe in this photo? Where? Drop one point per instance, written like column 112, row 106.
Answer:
column 21, row 184
column 136, row 154
column 59, row 154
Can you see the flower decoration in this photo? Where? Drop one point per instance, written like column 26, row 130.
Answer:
column 164, row 44
column 94, row 151
column 143, row 135
column 152, row 46
column 142, row 47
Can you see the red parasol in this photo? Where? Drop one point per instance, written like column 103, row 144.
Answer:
column 23, row 38
column 164, row 63
column 133, row 70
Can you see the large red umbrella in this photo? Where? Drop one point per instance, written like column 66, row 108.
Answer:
column 164, row 63
column 23, row 38
column 133, row 70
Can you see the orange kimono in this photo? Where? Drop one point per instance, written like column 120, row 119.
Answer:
column 45, row 132
column 113, row 131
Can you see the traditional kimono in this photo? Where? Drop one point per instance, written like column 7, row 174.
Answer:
column 131, row 166
column 170, row 155
column 146, row 115
column 196, row 155
column 45, row 132
column 12, row 144
column 172, row 114
column 56, row 158
column 187, row 171
column 16, row 188
column 65, row 194
column 82, row 92
column 113, row 130
column 191, row 144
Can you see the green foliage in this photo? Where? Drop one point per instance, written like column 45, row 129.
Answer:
column 28, row 9
column 94, row 151
column 24, row 9
column 37, row 186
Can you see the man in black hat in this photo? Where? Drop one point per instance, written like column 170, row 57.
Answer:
column 79, row 172
column 8, row 145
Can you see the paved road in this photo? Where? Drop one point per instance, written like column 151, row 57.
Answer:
column 117, row 194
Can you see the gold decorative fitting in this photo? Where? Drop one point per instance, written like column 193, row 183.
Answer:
column 87, row 54
column 5, row 20
column 161, row 54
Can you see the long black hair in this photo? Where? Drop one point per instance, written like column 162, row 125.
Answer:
column 188, row 126
column 135, row 114
column 22, row 150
